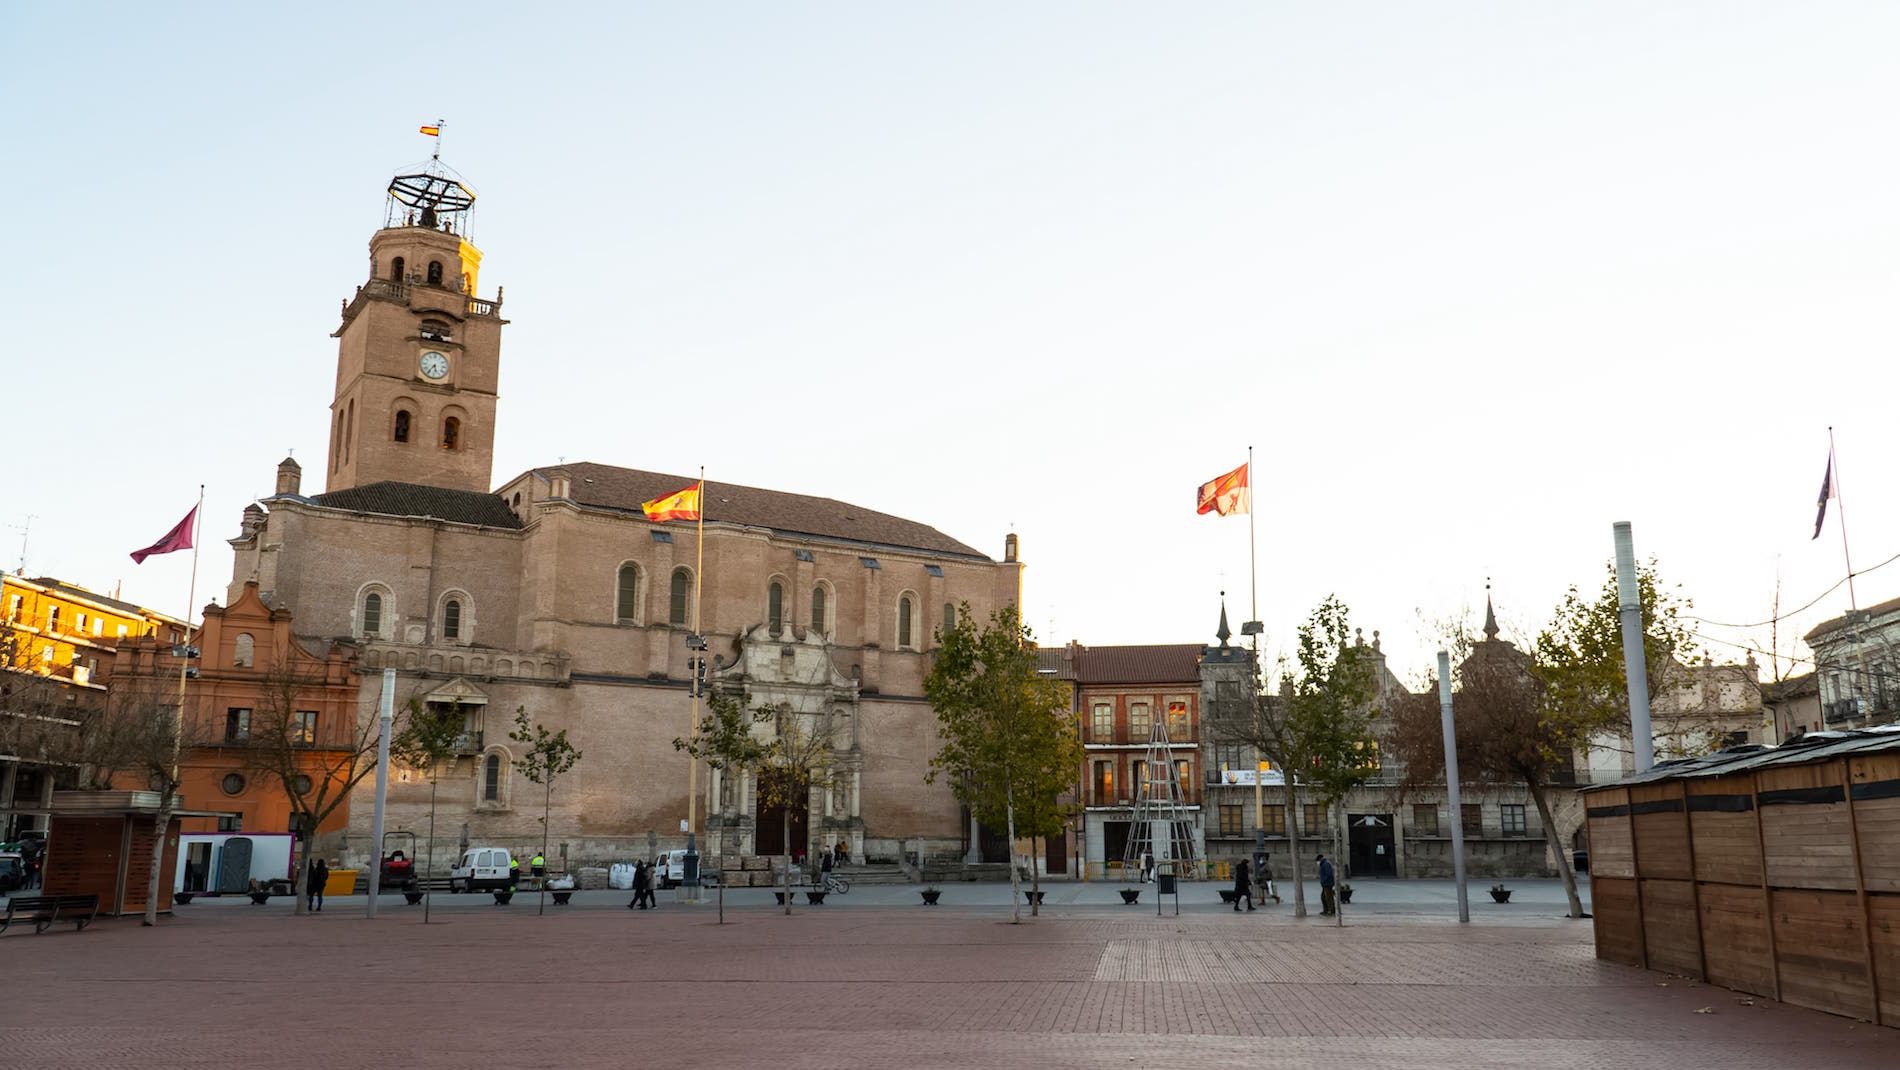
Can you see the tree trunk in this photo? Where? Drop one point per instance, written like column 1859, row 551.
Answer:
column 1035, row 876
column 300, row 879
column 1552, row 840
column 1293, row 845
column 1340, row 836
column 785, row 842
column 161, row 823
column 547, row 809
column 1015, row 878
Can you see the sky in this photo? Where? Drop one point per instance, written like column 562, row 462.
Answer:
column 1473, row 280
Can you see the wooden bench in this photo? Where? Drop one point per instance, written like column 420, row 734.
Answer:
column 44, row 910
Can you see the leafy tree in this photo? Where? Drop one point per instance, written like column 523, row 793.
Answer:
column 1579, row 658
column 787, row 754
column 548, row 755
column 428, row 742
column 1318, row 728
column 1007, row 742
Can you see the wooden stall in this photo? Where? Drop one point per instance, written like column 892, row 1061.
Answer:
column 1775, row 873
column 100, row 843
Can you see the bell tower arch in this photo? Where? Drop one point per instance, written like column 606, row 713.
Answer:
column 418, row 351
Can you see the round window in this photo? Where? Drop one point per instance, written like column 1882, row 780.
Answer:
column 300, row 784
column 233, row 783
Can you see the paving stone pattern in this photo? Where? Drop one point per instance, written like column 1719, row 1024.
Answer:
column 871, row 988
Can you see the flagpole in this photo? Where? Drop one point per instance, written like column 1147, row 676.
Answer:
column 161, row 824
column 1253, row 588
column 191, row 598
column 698, row 670
column 1853, row 603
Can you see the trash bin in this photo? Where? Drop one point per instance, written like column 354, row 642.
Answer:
column 1164, row 884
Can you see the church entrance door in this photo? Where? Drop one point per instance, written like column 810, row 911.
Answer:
column 775, row 822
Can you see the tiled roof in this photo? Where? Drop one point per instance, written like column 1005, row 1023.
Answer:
column 605, row 486
column 411, row 499
column 73, row 591
column 1828, row 627
column 1162, row 664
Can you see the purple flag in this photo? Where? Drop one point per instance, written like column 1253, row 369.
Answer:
column 1827, row 491
column 178, row 538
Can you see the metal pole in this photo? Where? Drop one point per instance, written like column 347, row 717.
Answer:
column 1864, row 680
column 1629, row 600
column 386, row 718
column 1451, row 785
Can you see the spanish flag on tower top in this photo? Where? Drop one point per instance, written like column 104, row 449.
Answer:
column 1225, row 495
column 432, row 131
column 679, row 505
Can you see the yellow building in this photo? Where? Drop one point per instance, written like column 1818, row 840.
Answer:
column 60, row 638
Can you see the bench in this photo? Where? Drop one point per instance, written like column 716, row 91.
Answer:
column 44, row 910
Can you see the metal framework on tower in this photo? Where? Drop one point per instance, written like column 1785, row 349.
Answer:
column 1163, row 824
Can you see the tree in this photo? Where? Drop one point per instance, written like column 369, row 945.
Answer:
column 1007, row 741
column 548, row 756
column 141, row 734
column 1579, row 658
column 787, row 754
column 1505, row 731
column 1318, row 728
column 317, row 769
column 428, row 742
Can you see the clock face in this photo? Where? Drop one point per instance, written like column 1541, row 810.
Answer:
column 434, row 365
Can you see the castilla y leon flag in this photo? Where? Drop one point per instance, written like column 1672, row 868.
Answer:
column 680, row 505
column 1225, row 495
column 178, row 538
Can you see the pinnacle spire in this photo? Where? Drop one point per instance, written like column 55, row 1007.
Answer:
column 1490, row 615
column 1223, row 632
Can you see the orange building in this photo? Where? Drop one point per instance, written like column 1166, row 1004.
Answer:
column 249, row 666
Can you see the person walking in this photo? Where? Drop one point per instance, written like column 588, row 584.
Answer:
column 514, row 870
column 319, row 875
column 1326, row 901
column 1243, row 885
column 639, row 887
column 646, row 887
column 844, row 853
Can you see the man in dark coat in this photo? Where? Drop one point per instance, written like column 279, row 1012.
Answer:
column 319, row 875
column 1325, row 885
column 1243, row 884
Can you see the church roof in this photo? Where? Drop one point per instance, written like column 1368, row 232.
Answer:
column 607, row 487
column 390, row 498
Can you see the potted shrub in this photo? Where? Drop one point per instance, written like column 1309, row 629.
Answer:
column 1130, row 895
column 930, row 895
column 1345, row 892
column 503, row 895
column 181, row 898
column 1500, row 894
column 562, row 889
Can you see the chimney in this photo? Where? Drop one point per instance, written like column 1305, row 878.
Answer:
column 289, row 477
column 558, row 486
column 1009, row 547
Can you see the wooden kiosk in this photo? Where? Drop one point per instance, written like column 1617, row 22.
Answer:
column 100, row 843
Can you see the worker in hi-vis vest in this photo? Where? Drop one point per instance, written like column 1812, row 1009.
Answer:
column 539, row 865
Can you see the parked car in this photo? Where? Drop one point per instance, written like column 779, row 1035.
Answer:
column 12, row 872
column 480, row 868
column 669, row 868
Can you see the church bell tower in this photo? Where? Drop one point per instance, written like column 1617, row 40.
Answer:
column 418, row 352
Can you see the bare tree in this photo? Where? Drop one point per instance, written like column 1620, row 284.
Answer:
column 317, row 766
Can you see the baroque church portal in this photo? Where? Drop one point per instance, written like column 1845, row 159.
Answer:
column 554, row 593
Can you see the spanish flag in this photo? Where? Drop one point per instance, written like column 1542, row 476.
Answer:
column 679, row 505
column 432, row 131
column 1226, row 494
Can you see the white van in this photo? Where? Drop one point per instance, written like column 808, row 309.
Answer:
column 669, row 868
column 481, row 867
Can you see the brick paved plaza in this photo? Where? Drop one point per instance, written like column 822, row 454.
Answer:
column 228, row 985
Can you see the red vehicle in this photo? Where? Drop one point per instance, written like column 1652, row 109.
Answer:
column 399, row 865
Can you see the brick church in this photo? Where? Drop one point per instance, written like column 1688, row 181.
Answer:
column 551, row 591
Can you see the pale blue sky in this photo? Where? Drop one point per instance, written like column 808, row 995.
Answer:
column 1474, row 279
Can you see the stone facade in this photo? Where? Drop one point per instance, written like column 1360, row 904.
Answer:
column 1857, row 666
column 555, row 595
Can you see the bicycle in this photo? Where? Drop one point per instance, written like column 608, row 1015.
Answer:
column 835, row 883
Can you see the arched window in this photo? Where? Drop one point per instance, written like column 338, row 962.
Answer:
column 627, row 594
column 395, row 269
column 349, row 428
column 402, row 425
column 775, row 607
column 435, row 330
column 336, row 445
column 435, row 272
column 451, row 433
column 491, row 779
column 452, row 619
column 905, row 609
column 676, row 602
column 949, row 620
column 820, row 622
column 244, row 650
column 372, row 613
